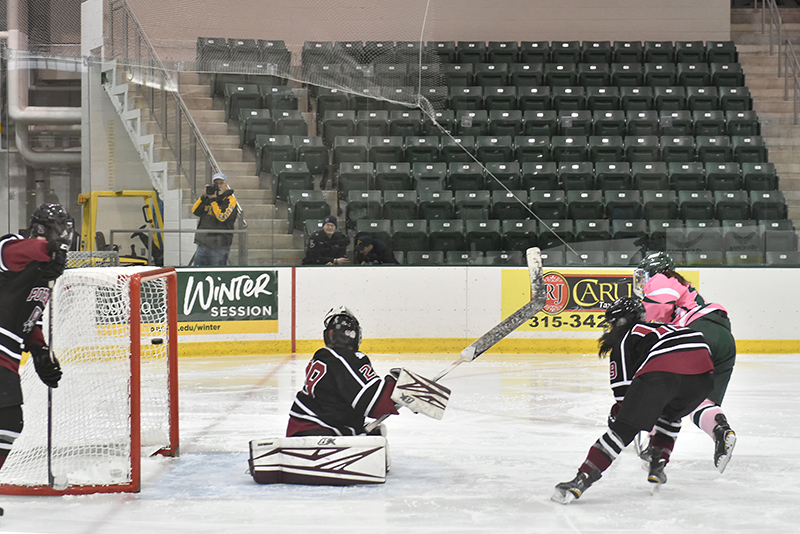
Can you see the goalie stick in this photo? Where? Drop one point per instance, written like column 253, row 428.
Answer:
column 505, row 327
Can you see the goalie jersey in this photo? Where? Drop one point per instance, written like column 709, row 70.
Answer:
column 339, row 391
column 650, row 347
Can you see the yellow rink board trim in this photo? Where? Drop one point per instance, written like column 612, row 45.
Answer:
column 227, row 327
column 448, row 345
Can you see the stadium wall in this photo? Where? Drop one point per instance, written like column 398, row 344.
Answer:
column 228, row 311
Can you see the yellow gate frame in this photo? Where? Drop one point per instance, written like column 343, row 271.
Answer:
column 89, row 223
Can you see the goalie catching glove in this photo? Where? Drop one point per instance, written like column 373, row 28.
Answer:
column 419, row 394
column 48, row 369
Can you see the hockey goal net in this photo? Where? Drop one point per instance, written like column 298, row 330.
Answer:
column 114, row 331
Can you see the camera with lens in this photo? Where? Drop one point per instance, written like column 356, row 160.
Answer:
column 212, row 189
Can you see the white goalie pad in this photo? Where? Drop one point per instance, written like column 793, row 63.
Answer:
column 420, row 394
column 319, row 460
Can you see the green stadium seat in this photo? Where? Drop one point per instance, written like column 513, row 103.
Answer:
column 592, row 230
column 501, row 176
column 393, row 176
column 509, row 205
column 537, row 98
column 465, row 176
column 519, row 235
column 659, row 52
column 709, row 122
column 642, row 122
column 690, row 52
column 628, row 228
column 305, row 207
column 422, row 149
column 727, row 75
column 696, row 204
column 472, row 122
column 689, row 175
column 483, row 235
column 409, row 235
column 526, row 74
column 721, row 52
column 363, row 205
column 749, row 149
column 702, row 98
column 289, row 122
column 616, row 258
column 570, row 148
column 378, row 228
column 332, row 100
column 354, row 177
column 548, row 204
column 494, row 148
column 505, row 122
column 658, row 229
column 585, row 204
column 278, row 97
column 705, row 259
column 466, row 98
column 568, row 98
column 313, row 152
column 627, row 74
column 540, row 122
column 350, row 149
column 585, row 257
column 271, row 148
column 253, row 122
column 470, row 51
column 660, row 205
column 458, row 257
column 490, row 74
column 341, row 123
column 606, row 148
column 612, row 175
column 714, row 148
column 639, row 148
column 459, row 149
column 735, row 99
column 623, row 204
column 429, row 176
column 723, row 176
column 742, row 123
column 697, row 74
column 532, row 149
column 779, row 235
column 435, row 204
column 561, row 74
column 602, row 98
column 541, row 175
column 554, row 233
column 240, row 96
column 565, row 51
column 575, row 122
column 660, row 74
column 416, row 257
column 675, row 122
column 669, row 98
column 385, row 149
column 702, row 236
column 731, row 205
column 400, row 204
column 473, row 205
column 576, row 176
column 594, row 74
column 445, row 119
column 596, row 51
column 627, row 52
column 744, row 258
column 553, row 258
column 290, row 175
column 649, row 175
column 609, row 122
column 405, row 123
column 759, row 176
column 372, row 122
column 502, row 52
column 677, row 148
column 789, row 258
column 768, row 205
column 502, row 257
column 446, row 235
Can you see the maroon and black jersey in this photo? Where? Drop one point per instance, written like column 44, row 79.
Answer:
column 649, row 347
column 23, row 297
column 340, row 390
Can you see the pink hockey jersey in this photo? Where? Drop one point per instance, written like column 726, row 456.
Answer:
column 668, row 301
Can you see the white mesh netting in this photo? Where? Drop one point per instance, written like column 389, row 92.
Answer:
column 92, row 406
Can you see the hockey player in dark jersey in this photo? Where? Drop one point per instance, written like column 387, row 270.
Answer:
column 659, row 374
column 26, row 268
column 341, row 388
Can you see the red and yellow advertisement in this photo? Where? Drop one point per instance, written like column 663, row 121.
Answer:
column 576, row 299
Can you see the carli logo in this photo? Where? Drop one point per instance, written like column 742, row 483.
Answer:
column 557, row 293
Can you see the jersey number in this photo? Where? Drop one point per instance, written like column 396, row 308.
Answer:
column 314, row 373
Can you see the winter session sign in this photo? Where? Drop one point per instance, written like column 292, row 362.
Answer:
column 222, row 301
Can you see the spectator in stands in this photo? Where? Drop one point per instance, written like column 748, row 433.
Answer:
column 327, row 246
column 217, row 210
column 372, row 251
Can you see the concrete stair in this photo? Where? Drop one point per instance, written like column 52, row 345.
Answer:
column 781, row 135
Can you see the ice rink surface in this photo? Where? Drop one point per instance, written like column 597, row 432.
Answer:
column 516, row 425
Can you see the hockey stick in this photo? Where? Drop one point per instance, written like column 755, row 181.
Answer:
column 505, row 327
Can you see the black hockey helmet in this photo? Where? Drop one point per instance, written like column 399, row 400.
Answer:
column 625, row 311
column 52, row 222
column 342, row 329
column 657, row 262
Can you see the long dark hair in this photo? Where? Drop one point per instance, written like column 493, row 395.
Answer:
column 611, row 338
column 678, row 277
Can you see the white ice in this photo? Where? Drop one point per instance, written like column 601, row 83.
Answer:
column 516, row 425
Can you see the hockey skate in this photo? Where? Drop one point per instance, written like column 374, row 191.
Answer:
column 656, row 474
column 724, row 441
column 566, row 492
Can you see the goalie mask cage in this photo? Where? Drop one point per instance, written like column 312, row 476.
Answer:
column 114, row 331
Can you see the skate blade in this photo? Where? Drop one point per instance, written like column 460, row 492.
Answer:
column 655, row 488
column 730, row 443
column 563, row 498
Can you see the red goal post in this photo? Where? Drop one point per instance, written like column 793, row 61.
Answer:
column 114, row 331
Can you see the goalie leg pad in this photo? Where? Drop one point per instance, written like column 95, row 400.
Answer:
column 420, row 394
column 319, row 460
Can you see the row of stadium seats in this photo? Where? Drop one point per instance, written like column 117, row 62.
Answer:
column 520, row 52
column 653, row 150
column 525, row 74
column 474, row 235
column 216, row 49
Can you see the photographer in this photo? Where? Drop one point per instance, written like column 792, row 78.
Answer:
column 217, row 210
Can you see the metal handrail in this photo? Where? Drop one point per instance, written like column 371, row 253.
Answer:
column 170, row 87
column 787, row 58
column 150, row 231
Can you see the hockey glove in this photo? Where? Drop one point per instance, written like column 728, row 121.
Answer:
column 612, row 415
column 48, row 369
column 55, row 267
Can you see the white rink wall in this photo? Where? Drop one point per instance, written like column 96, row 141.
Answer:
column 442, row 309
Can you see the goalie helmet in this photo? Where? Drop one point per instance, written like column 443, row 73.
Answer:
column 52, row 222
column 625, row 311
column 342, row 329
column 657, row 262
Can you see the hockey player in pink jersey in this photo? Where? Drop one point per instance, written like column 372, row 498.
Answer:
column 670, row 299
